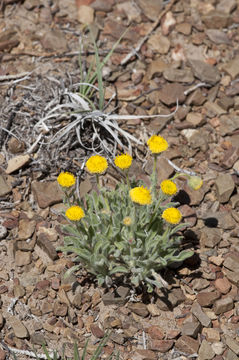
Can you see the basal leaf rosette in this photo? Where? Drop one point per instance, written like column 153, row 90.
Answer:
column 168, row 187
column 157, row 144
column 123, row 161
column 96, row 164
column 66, row 179
column 75, row 213
column 172, row 215
column 140, row 195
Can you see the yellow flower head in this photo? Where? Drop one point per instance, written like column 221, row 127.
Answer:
column 195, row 182
column 140, row 195
column 172, row 215
column 168, row 187
column 75, row 213
column 123, row 161
column 157, row 144
column 96, row 164
column 66, row 179
column 127, row 221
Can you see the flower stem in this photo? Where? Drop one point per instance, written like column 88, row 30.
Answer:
column 154, row 177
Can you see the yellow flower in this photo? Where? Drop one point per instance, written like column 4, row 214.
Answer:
column 96, row 164
column 157, row 144
column 195, row 182
column 127, row 221
column 140, row 195
column 66, row 179
column 168, row 187
column 75, row 213
column 123, row 161
column 172, row 215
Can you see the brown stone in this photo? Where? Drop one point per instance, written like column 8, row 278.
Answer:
column 171, row 92
column 60, row 309
column 161, row 345
column 139, row 309
column 156, row 332
column 200, row 315
column 46, row 246
column 223, row 285
column 96, row 331
column 223, row 305
column 47, row 193
column 207, row 298
column 23, row 257
column 186, row 344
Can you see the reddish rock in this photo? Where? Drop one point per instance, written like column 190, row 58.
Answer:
column 207, row 298
column 187, row 344
column 96, row 331
column 60, row 309
column 139, row 309
column 222, row 285
column 145, row 354
column 161, row 345
column 155, row 332
column 47, row 193
column 43, row 284
column 223, row 305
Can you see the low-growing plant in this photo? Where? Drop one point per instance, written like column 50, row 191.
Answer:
column 131, row 230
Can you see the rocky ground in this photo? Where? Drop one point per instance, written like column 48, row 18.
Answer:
column 185, row 50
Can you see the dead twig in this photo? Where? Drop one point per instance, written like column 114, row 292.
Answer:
column 202, row 84
column 142, row 41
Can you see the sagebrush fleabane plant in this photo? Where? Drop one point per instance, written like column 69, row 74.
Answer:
column 130, row 230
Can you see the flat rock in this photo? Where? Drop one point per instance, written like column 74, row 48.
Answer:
column 232, row 344
column 226, row 6
column 85, row 14
column 218, row 348
column 187, row 345
column 231, row 262
column 215, row 19
column 5, row 188
column 178, row 75
column 17, row 163
column 155, row 332
column 204, row 72
column 102, row 5
column 47, row 193
column 217, row 36
column 60, row 309
column 223, row 285
column 223, row 305
column 195, row 119
column 210, row 237
column 44, row 243
column 19, row 329
column 228, row 124
column 54, row 40
column 206, row 299
column 156, row 67
column 26, row 228
column 139, row 309
column 170, row 93
column 233, row 276
column 200, row 315
column 162, row 346
column 205, row 351
column 159, row 43
column 224, row 187
column 23, row 258
column 184, row 28
column 232, row 67
column 230, row 157
column 191, row 328
column 151, row 8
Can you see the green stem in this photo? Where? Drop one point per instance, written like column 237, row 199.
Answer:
column 127, row 179
column 154, row 177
